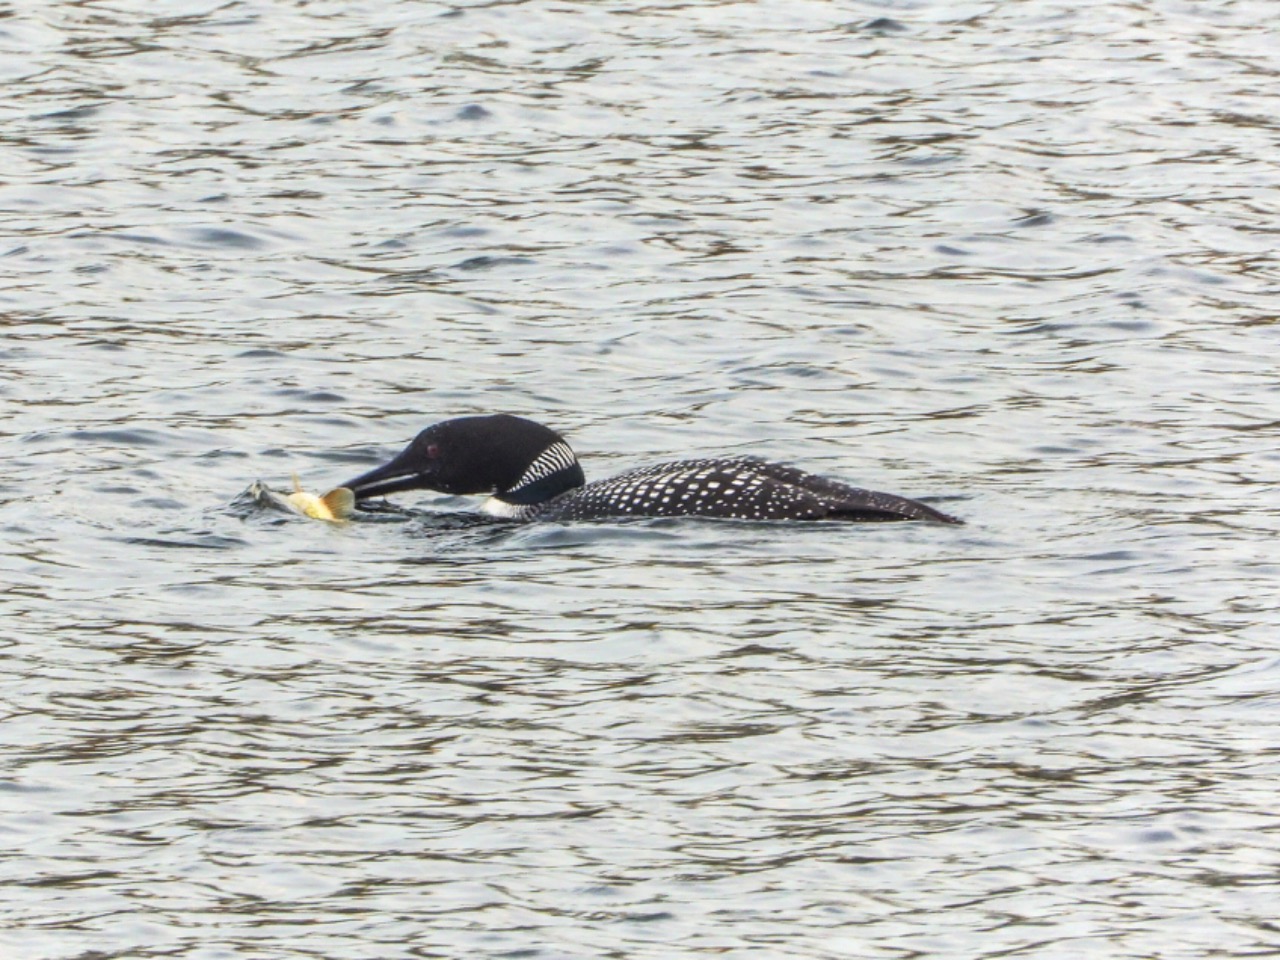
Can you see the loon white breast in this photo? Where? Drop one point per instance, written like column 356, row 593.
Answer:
column 531, row 473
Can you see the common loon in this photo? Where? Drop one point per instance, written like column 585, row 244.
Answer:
column 531, row 474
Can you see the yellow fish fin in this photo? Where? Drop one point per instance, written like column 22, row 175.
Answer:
column 341, row 502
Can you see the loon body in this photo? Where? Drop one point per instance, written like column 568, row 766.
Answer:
column 531, row 473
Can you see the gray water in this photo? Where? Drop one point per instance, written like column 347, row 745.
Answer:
column 1017, row 259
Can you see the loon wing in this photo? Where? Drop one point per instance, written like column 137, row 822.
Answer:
column 845, row 502
column 740, row 488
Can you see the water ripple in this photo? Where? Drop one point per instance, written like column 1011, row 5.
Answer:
column 1014, row 259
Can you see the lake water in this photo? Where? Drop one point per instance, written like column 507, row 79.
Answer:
column 1016, row 259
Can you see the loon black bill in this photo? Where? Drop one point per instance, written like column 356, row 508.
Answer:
column 389, row 478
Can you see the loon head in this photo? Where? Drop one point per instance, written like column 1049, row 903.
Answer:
column 517, row 460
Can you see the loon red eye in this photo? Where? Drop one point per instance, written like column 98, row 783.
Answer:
column 433, row 450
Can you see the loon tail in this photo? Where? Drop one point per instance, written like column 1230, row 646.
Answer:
column 845, row 502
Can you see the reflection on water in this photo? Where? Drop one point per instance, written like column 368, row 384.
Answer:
column 1017, row 259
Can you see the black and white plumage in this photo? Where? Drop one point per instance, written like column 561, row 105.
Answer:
column 531, row 473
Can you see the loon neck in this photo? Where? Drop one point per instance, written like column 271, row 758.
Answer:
column 553, row 472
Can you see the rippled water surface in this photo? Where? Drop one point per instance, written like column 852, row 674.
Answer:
column 1017, row 259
